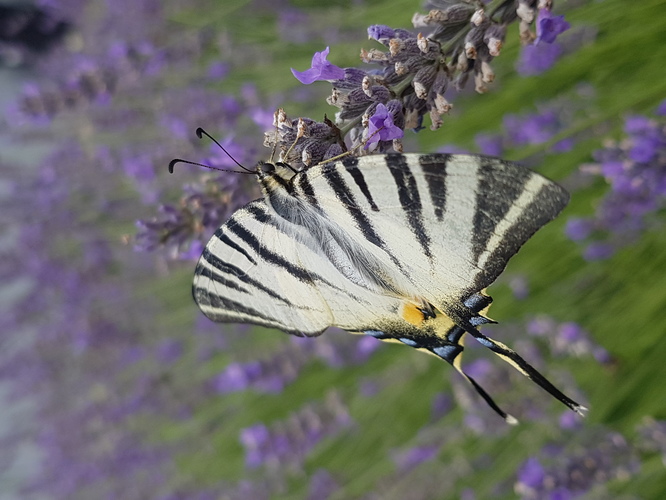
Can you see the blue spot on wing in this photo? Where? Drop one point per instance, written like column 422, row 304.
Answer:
column 445, row 351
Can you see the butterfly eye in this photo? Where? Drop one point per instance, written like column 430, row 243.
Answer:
column 267, row 168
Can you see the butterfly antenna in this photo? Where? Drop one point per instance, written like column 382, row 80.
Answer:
column 210, row 167
column 201, row 132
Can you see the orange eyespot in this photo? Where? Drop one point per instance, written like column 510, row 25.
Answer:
column 412, row 314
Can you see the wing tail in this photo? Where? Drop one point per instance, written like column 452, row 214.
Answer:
column 451, row 350
column 515, row 360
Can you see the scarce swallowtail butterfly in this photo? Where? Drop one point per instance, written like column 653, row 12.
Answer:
column 397, row 246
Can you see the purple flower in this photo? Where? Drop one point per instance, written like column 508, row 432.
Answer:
column 569, row 472
column 381, row 127
column 549, row 26
column 569, row 420
column 237, row 377
column 536, row 59
column 578, row 229
column 322, row 485
column 407, row 460
column 441, row 405
column 598, row 251
column 490, row 144
column 380, row 32
column 288, row 442
column 535, row 128
column 519, row 287
column 661, row 109
column 321, row 69
column 169, row 350
column 531, row 474
column 218, row 70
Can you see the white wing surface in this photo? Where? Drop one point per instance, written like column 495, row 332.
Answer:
column 445, row 225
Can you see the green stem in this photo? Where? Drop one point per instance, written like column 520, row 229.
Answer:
column 399, row 88
column 346, row 128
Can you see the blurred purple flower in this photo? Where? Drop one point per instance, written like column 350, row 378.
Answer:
column 531, row 474
column 569, row 420
column 535, row 128
column 598, row 251
column 169, row 350
column 661, row 109
column 218, row 70
column 408, row 459
column 322, row 485
column 536, row 59
column 548, row 27
column 441, row 405
column 519, row 287
column 635, row 171
column 321, row 69
column 566, row 339
column 489, row 144
column 559, row 473
column 578, row 229
column 288, row 442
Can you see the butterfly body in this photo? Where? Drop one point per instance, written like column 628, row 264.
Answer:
column 397, row 246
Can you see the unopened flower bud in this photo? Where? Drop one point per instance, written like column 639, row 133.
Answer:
column 423, row 80
column 479, row 17
column 525, row 12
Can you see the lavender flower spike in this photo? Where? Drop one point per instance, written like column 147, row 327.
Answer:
column 321, row 70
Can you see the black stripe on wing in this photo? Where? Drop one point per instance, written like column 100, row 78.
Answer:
column 267, row 255
column 345, row 195
column 408, row 194
column 219, row 234
column 307, row 189
column 351, row 164
column 548, row 202
column 207, row 298
column 226, row 268
column 496, row 193
column 434, row 170
column 262, row 216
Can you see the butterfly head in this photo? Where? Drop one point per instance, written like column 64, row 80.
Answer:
column 275, row 176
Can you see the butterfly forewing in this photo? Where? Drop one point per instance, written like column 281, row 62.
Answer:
column 445, row 225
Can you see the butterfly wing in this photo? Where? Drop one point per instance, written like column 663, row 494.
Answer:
column 258, row 268
column 445, row 225
column 397, row 246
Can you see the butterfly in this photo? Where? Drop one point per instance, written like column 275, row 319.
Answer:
column 397, row 246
